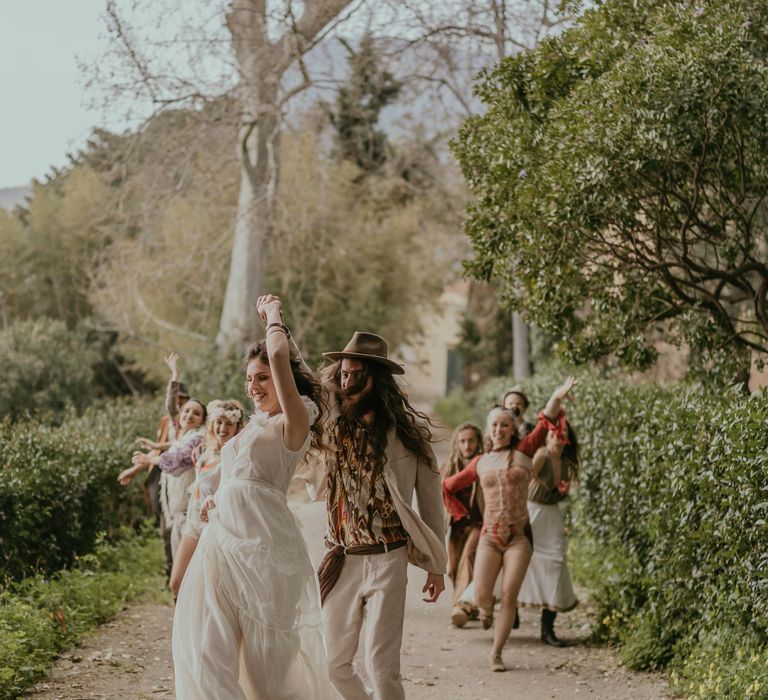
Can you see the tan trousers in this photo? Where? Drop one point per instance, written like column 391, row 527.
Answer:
column 461, row 559
column 370, row 594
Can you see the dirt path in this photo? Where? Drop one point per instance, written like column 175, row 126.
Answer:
column 130, row 657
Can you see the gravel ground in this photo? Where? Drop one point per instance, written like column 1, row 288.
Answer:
column 130, row 657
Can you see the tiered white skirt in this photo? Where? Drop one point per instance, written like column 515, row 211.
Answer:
column 247, row 621
column 548, row 583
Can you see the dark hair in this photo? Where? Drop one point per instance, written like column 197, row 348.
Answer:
column 200, row 403
column 519, row 393
column 411, row 426
column 306, row 384
column 571, row 451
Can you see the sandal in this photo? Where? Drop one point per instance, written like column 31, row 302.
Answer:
column 486, row 619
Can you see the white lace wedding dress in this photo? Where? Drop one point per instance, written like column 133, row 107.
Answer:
column 247, row 620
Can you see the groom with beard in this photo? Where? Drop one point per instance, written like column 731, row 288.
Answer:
column 380, row 454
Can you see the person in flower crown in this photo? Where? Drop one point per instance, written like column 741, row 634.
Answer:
column 547, row 584
column 506, row 541
column 225, row 419
column 247, row 618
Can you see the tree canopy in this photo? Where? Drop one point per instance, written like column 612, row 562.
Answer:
column 621, row 173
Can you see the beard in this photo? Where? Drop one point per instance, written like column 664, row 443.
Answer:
column 358, row 400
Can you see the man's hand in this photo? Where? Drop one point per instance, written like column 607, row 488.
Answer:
column 434, row 586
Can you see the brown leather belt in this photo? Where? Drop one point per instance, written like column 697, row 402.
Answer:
column 378, row 548
column 330, row 568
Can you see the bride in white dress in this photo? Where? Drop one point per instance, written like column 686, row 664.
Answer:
column 247, row 620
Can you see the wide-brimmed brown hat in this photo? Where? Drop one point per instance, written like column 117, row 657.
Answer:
column 367, row 346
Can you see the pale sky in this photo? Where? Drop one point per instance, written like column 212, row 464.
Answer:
column 42, row 100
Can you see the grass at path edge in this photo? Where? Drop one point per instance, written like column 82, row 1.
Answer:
column 42, row 616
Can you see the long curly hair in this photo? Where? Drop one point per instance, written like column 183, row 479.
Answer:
column 306, row 383
column 393, row 409
column 571, row 452
column 455, row 462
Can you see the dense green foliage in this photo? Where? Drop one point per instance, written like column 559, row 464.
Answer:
column 621, row 174
column 46, row 368
column 58, row 485
column 41, row 616
column 671, row 521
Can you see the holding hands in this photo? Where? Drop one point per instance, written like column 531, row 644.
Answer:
column 270, row 308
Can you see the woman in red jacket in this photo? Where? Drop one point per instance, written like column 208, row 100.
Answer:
column 506, row 542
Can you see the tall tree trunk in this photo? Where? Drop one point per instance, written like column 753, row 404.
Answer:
column 521, row 362
column 262, row 64
column 259, row 167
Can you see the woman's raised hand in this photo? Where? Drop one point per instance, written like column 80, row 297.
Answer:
column 562, row 392
column 552, row 409
column 172, row 360
column 269, row 306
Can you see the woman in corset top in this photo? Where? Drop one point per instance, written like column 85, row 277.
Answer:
column 506, row 542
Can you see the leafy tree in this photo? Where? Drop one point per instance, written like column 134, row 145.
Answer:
column 245, row 49
column 621, row 174
column 46, row 368
column 48, row 248
column 359, row 102
column 349, row 253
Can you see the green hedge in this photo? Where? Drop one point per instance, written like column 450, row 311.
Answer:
column 670, row 524
column 41, row 616
column 46, row 367
column 58, row 486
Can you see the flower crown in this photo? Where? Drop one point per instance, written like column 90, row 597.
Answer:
column 216, row 410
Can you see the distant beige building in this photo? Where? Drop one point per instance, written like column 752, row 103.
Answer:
column 432, row 364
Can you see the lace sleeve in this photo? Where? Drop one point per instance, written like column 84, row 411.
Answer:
column 312, row 410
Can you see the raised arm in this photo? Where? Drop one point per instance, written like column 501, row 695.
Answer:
column 176, row 462
column 466, row 477
column 549, row 419
column 172, row 392
column 554, row 405
column 295, row 417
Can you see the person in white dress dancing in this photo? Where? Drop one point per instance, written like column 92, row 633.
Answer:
column 247, row 621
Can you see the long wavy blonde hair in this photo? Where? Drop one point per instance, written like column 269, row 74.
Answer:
column 455, row 462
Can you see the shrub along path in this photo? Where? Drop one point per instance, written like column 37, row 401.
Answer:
column 131, row 657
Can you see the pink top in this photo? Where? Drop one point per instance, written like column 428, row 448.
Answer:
column 505, row 485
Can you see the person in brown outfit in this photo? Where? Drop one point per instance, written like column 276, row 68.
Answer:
column 380, row 454
column 463, row 533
